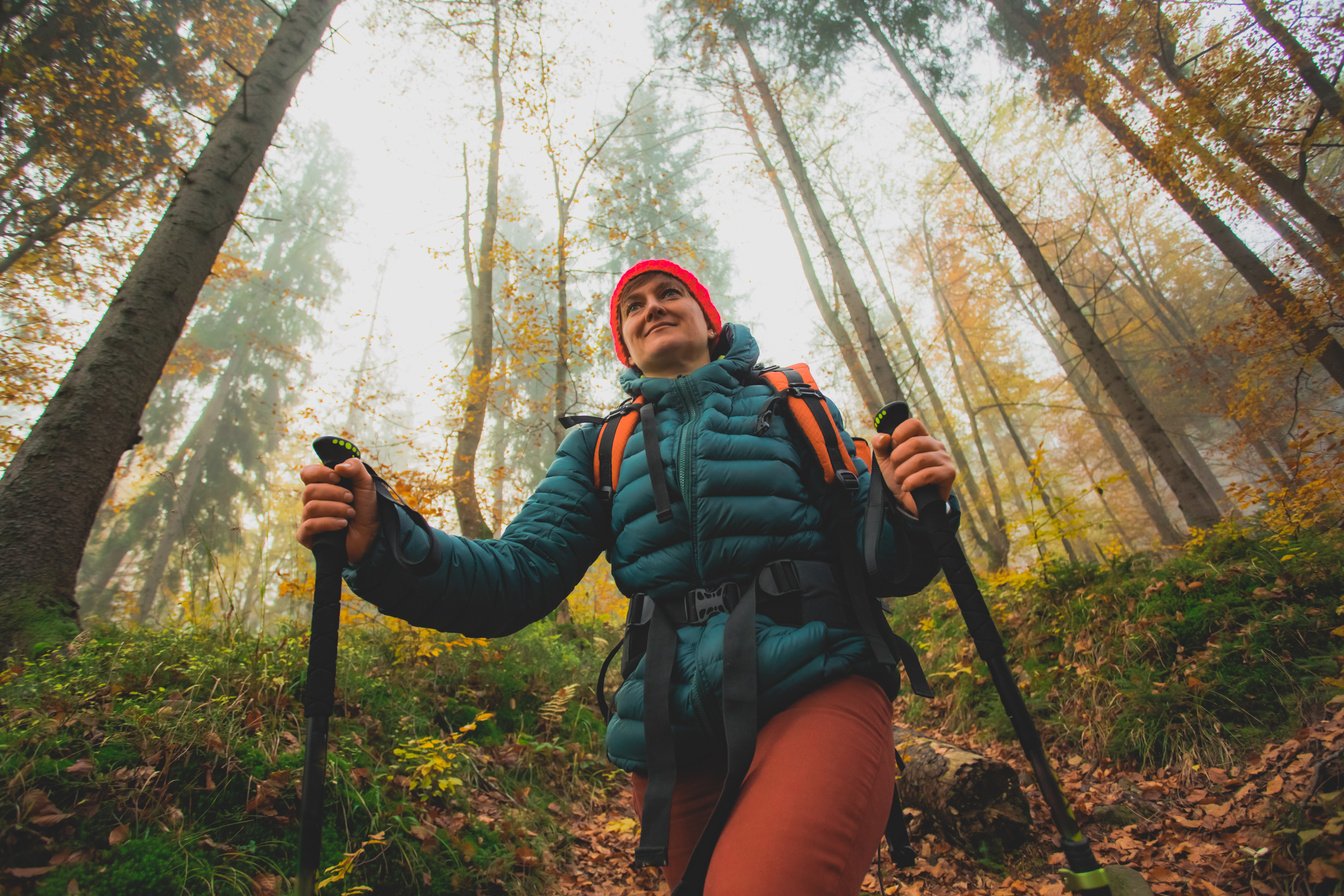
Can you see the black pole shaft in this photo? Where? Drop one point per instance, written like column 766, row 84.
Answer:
column 989, row 644
column 310, row 812
column 318, row 697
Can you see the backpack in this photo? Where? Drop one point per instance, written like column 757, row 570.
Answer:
column 651, row 634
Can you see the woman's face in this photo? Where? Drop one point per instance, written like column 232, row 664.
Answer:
column 663, row 326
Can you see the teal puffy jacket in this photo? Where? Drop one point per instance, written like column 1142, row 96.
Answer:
column 739, row 501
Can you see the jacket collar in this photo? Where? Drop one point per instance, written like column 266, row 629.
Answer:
column 738, row 353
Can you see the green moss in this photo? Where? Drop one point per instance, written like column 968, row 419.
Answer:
column 201, row 732
column 1202, row 653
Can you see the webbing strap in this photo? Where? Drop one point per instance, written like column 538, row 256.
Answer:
column 898, row 833
column 602, row 679
column 611, row 439
column 872, row 519
column 659, row 659
column 813, row 418
column 389, row 527
column 739, row 729
column 889, row 649
column 648, row 426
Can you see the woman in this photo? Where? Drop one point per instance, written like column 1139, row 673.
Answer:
column 807, row 808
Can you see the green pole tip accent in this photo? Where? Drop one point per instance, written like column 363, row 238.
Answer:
column 1087, row 880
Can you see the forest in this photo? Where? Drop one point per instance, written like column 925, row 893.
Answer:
column 1095, row 245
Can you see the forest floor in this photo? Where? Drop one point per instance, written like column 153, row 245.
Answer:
column 1202, row 831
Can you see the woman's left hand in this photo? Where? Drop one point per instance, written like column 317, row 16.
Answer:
column 910, row 458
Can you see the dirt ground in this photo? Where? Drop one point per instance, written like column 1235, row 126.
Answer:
column 1201, row 831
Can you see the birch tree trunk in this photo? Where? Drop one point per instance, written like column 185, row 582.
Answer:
column 1196, row 504
column 51, row 491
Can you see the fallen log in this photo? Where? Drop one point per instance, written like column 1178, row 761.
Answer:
column 973, row 801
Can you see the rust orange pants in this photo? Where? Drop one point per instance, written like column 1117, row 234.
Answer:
column 813, row 805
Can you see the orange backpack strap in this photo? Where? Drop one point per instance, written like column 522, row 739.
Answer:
column 864, row 451
column 611, row 439
column 812, row 414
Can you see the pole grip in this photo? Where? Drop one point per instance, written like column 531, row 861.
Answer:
column 329, row 559
column 927, row 500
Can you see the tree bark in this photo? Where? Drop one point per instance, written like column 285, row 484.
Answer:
column 1198, row 507
column 993, row 540
column 863, row 380
column 50, row 493
column 1234, row 181
column 1312, row 339
column 1148, row 499
column 974, row 801
column 1290, row 190
column 884, row 374
column 470, row 519
column 1320, row 85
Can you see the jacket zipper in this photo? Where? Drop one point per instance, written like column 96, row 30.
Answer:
column 685, row 454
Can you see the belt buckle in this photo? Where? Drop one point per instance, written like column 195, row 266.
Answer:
column 639, row 612
column 702, row 603
column 779, row 578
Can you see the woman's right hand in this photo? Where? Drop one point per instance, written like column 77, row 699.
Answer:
column 329, row 506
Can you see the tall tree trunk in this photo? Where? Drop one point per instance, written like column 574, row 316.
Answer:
column 1216, row 376
column 1234, row 181
column 180, row 492
column 561, row 406
column 863, row 381
column 1199, row 508
column 355, row 412
column 1292, row 191
column 1312, row 339
column 254, row 589
column 1148, row 499
column 1320, row 85
column 1099, row 490
column 993, row 537
column 885, row 375
column 470, row 519
column 949, row 320
column 46, row 513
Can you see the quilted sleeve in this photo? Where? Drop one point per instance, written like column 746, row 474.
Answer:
column 491, row 587
column 906, row 561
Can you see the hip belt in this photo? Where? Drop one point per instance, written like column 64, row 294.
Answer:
column 789, row 592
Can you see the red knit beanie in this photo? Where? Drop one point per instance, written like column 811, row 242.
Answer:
column 659, row 264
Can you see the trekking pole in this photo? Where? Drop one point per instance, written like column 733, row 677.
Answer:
column 1082, row 873
column 319, row 690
